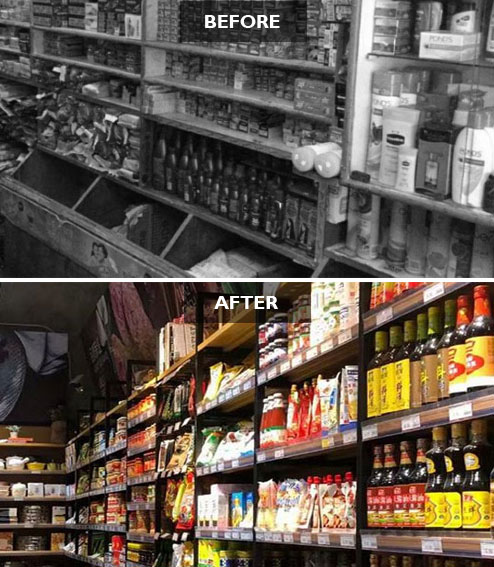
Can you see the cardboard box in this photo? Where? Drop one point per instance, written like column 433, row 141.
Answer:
column 449, row 46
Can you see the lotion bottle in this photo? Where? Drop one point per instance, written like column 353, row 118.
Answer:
column 473, row 159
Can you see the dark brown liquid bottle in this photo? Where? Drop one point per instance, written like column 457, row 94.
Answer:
column 455, row 476
column 443, row 348
column 430, row 384
column 436, row 475
column 457, row 352
column 159, row 156
column 416, row 362
column 476, row 486
column 385, row 491
column 401, row 496
column 402, row 366
column 373, row 484
column 480, row 342
column 374, row 374
column 416, row 488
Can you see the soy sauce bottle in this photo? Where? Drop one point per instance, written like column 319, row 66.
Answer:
column 455, row 476
column 436, row 475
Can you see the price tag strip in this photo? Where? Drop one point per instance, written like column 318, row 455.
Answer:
column 432, row 545
column 369, row 432
column 433, row 292
column 460, row 412
column 384, row 316
column 410, row 423
column 368, row 541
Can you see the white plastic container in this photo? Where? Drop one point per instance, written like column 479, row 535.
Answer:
column 368, row 226
column 407, row 168
column 303, row 157
column 473, row 159
column 328, row 164
column 399, row 129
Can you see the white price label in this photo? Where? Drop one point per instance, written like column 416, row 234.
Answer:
column 323, row 539
column 410, row 423
column 350, row 437
column 236, row 391
column 221, row 467
column 261, row 378
column 461, row 411
column 247, row 386
column 288, row 538
column 347, row 540
column 205, row 470
column 261, row 457
column 344, row 337
column 369, row 541
column 175, row 536
column 279, row 453
column 369, row 432
column 169, row 430
column 268, row 536
column 273, row 373
column 285, row 366
column 277, row 537
column 297, row 360
column 260, row 536
column 228, row 535
column 487, row 548
column 222, row 397
column 433, row 292
column 326, row 346
column 213, row 468
column 312, row 353
column 384, row 316
column 305, row 538
column 432, row 545
column 235, row 464
column 177, row 426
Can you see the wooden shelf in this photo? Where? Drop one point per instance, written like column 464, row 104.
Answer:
column 8, row 527
column 29, row 81
column 89, row 34
column 84, row 63
column 141, row 537
column 175, row 369
column 25, row 472
column 114, row 102
column 309, row 448
column 32, row 553
column 234, row 465
column 43, row 499
column 409, row 301
column 252, row 97
column 16, row 23
column 201, row 126
column 112, row 528
column 474, row 405
column 11, row 51
column 52, row 446
column 241, row 330
column 448, row 207
column 336, row 538
column 145, row 478
column 278, row 62
column 378, row 267
column 142, row 418
column 455, row 543
column 139, row 506
column 240, row 534
column 132, row 451
column 479, row 62
column 332, row 353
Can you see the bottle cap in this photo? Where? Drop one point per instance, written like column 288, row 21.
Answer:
column 349, row 476
column 459, row 430
column 481, row 292
column 337, row 478
column 463, row 301
column 478, row 426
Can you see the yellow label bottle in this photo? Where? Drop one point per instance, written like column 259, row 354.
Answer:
column 388, row 371
column 402, row 367
column 457, row 352
column 430, row 385
column 435, row 500
column 374, row 375
column 455, row 476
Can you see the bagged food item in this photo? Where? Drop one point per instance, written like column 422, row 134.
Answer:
column 178, row 500
column 215, row 378
column 213, row 436
column 329, row 392
column 182, row 452
column 266, row 509
column 348, row 396
column 170, row 497
column 186, row 512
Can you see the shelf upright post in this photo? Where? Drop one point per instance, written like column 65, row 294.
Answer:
column 258, row 404
column 362, row 457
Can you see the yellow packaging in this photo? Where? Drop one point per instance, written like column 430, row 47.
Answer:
column 434, row 509
column 457, row 369
column 388, row 388
column 402, row 377
column 476, row 510
column 480, row 362
column 429, row 379
column 442, row 373
column 416, row 384
column 452, row 510
column 492, row 504
column 374, row 392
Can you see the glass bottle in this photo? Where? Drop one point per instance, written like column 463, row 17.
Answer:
column 455, row 476
column 457, row 352
column 388, row 374
column 476, row 486
column 159, row 156
column 385, row 490
column 373, row 483
column 436, row 475
column 401, row 497
column 374, row 374
column 190, row 187
column 416, row 488
column 443, row 348
column 214, row 199
column 429, row 357
column 402, row 366
column 416, row 362
column 183, row 169
column 480, row 342
column 171, row 170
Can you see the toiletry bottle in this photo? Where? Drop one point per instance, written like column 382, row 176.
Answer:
column 473, row 159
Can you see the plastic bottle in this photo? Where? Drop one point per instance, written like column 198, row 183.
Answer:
column 328, row 164
column 473, row 159
column 303, row 158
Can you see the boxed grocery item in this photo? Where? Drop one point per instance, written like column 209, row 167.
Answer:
column 6, row 541
column 449, row 46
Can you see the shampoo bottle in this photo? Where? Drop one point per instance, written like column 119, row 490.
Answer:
column 473, row 159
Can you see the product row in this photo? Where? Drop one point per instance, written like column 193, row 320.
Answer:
column 431, row 361
column 445, row 486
